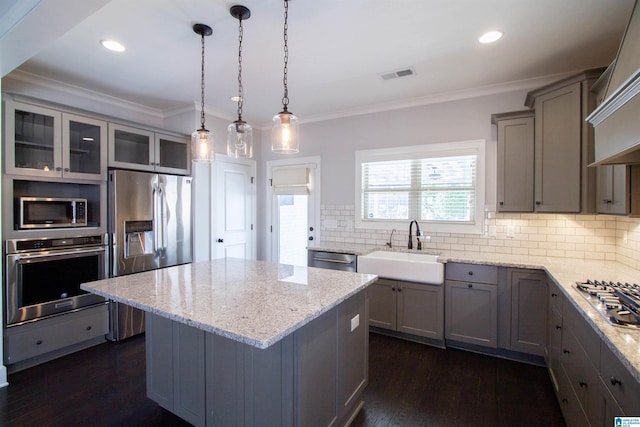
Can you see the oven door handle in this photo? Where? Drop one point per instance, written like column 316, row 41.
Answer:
column 19, row 258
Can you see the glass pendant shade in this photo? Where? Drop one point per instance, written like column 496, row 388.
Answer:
column 201, row 141
column 284, row 133
column 240, row 140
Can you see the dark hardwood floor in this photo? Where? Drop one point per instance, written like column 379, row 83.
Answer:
column 409, row 385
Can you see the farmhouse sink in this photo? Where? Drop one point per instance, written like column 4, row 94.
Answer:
column 412, row 267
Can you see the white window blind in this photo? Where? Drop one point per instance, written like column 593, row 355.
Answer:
column 428, row 189
column 291, row 181
column 440, row 185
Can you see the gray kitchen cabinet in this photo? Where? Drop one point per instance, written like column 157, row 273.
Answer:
column 527, row 301
column 36, row 342
column 314, row 376
column 407, row 307
column 591, row 384
column 175, row 368
column 144, row 149
column 48, row 143
column 515, row 161
column 471, row 304
column 564, row 144
column 612, row 195
column 383, row 303
column 553, row 348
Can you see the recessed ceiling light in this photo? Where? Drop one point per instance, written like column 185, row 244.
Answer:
column 87, row 139
column 490, row 36
column 112, row 45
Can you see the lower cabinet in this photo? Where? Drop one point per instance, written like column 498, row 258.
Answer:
column 471, row 313
column 46, row 339
column 314, row 376
column 175, row 367
column 407, row 307
column 591, row 383
column 527, row 302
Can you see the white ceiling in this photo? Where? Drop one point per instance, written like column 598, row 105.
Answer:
column 338, row 50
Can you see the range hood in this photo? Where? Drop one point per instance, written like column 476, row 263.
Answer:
column 616, row 121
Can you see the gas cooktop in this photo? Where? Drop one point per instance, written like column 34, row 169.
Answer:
column 619, row 303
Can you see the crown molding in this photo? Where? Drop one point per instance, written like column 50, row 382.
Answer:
column 526, row 84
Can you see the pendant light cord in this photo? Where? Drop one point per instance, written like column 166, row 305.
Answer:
column 202, row 89
column 285, row 98
column 240, row 88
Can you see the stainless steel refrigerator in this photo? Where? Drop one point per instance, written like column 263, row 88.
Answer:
column 149, row 228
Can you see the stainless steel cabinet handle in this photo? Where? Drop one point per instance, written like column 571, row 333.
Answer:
column 335, row 261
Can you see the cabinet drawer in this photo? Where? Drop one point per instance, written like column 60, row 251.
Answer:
column 583, row 376
column 472, row 272
column 27, row 341
column 555, row 296
column 624, row 388
column 586, row 336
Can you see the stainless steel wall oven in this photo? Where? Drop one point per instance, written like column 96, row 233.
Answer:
column 44, row 275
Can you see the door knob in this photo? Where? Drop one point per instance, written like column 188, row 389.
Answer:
column 220, row 240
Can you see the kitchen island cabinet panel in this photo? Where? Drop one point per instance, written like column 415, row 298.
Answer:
column 175, row 368
column 353, row 363
column 312, row 377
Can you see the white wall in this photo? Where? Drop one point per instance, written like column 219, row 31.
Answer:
column 337, row 140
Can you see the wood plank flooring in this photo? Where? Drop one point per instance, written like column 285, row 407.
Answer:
column 410, row 385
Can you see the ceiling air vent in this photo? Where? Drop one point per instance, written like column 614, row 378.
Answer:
column 400, row 73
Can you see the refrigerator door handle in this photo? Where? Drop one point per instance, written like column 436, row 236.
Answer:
column 154, row 221
column 165, row 219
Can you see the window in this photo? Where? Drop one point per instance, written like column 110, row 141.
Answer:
column 439, row 184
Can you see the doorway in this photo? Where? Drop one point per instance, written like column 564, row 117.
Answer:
column 294, row 193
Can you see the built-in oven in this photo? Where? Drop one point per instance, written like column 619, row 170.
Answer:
column 43, row 276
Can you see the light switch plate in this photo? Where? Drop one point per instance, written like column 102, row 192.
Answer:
column 355, row 322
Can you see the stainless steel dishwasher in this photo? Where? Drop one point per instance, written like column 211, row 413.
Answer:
column 332, row 260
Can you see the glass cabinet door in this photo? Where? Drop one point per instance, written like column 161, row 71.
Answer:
column 172, row 154
column 131, row 147
column 84, row 142
column 33, row 140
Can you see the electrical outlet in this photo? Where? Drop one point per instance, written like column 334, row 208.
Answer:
column 510, row 231
column 355, row 322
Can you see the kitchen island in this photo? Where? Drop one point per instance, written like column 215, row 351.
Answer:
column 242, row 342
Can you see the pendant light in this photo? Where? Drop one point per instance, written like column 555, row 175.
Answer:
column 240, row 133
column 201, row 139
column 284, row 130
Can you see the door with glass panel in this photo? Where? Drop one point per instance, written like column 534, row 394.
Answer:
column 293, row 213
column 84, row 147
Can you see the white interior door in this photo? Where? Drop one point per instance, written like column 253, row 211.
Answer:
column 294, row 193
column 234, row 209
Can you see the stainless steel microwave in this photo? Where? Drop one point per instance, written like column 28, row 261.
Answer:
column 47, row 212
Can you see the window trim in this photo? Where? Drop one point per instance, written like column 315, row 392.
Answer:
column 458, row 148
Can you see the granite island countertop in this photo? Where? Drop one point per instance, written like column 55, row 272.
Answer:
column 565, row 272
column 254, row 302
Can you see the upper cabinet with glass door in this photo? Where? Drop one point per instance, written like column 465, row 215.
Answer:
column 135, row 148
column 43, row 142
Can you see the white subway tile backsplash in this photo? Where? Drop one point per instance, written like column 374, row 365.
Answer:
column 552, row 235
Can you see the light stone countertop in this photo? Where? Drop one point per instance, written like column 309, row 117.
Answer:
column 254, row 302
column 564, row 272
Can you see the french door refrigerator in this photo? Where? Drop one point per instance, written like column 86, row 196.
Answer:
column 149, row 228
